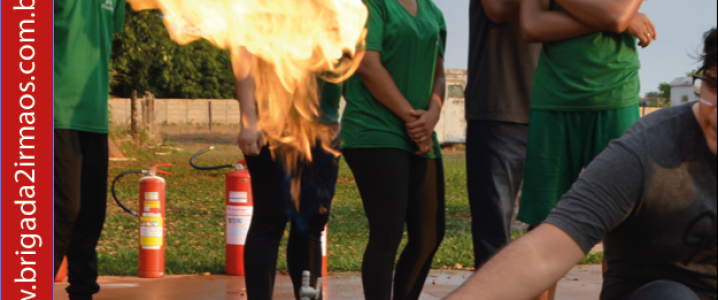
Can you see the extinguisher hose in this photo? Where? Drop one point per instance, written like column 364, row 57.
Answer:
column 114, row 195
column 203, row 151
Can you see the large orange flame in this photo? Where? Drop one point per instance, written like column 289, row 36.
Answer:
column 291, row 42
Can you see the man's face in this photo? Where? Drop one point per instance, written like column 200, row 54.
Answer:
column 707, row 113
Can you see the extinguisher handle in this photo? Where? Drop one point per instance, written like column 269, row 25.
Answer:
column 155, row 169
column 203, row 151
column 114, row 194
column 164, row 172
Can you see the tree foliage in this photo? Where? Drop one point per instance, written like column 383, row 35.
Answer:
column 144, row 58
column 665, row 89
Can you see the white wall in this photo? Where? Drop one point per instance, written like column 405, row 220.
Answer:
column 682, row 94
column 682, row 91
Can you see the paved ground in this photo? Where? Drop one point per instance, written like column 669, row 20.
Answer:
column 582, row 283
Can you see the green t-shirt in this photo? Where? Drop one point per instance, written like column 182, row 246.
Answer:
column 83, row 42
column 410, row 46
column 594, row 72
column 331, row 95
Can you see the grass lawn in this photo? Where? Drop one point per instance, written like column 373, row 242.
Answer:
column 195, row 213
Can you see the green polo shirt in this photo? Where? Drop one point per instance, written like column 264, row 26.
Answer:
column 410, row 46
column 594, row 72
column 84, row 31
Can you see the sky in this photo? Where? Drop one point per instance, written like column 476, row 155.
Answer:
column 680, row 26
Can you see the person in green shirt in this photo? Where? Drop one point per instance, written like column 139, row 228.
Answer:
column 387, row 137
column 271, row 188
column 84, row 31
column 586, row 91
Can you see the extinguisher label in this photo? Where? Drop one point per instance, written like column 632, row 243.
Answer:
column 151, row 231
column 152, row 196
column 150, row 205
column 238, row 220
column 239, row 210
column 238, row 197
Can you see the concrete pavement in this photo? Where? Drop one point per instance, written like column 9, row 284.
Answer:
column 582, row 283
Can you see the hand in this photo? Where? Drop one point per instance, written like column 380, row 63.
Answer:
column 251, row 140
column 642, row 28
column 421, row 130
column 425, row 147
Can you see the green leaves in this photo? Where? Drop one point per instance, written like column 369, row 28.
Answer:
column 144, row 58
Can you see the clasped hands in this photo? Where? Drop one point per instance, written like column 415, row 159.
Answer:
column 421, row 130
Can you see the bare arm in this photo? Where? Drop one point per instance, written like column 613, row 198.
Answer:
column 608, row 15
column 525, row 268
column 502, row 11
column 540, row 24
column 250, row 139
column 422, row 129
column 438, row 93
column 379, row 82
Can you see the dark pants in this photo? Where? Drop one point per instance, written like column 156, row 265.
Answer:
column 81, row 161
column 664, row 290
column 270, row 187
column 495, row 156
column 399, row 188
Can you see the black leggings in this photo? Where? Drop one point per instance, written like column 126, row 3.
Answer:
column 664, row 290
column 397, row 188
column 271, row 207
column 81, row 160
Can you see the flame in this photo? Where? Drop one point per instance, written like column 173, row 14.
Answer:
column 291, row 42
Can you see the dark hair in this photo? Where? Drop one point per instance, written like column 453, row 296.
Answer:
column 710, row 52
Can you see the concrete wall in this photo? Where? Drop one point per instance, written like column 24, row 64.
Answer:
column 181, row 111
column 451, row 127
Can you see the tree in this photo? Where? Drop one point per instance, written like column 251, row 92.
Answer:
column 146, row 59
column 693, row 72
column 653, row 95
column 665, row 89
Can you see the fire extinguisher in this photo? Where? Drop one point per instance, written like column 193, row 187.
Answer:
column 152, row 220
column 325, row 257
column 62, row 272
column 239, row 209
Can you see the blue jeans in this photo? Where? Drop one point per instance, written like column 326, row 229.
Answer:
column 495, row 157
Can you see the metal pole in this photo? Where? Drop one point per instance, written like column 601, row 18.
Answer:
column 145, row 110
column 209, row 108
column 151, row 114
column 134, row 117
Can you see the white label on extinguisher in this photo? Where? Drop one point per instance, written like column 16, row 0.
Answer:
column 152, row 196
column 238, row 220
column 151, row 231
column 238, row 197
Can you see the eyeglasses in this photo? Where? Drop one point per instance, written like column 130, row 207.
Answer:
column 698, row 82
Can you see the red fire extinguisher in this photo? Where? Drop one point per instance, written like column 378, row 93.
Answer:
column 325, row 258
column 152, row 219
column 62, row 272
column 239, row 209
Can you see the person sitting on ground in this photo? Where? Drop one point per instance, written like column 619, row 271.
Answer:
column 651, row 196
